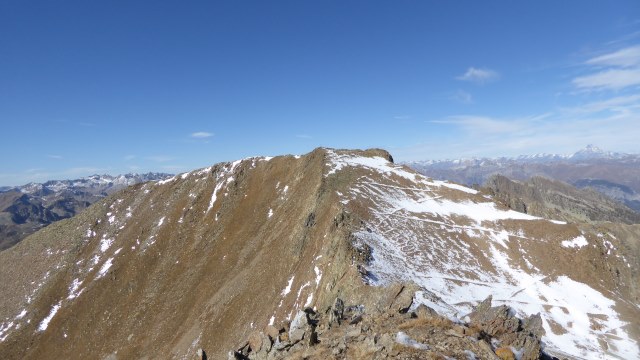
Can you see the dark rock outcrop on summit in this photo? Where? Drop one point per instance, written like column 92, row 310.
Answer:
column 420, row 333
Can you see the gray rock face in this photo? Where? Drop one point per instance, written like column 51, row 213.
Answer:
column 425, row 312
column 337, row 312
column 500, row 323
column 298, row 327
column 384, row 334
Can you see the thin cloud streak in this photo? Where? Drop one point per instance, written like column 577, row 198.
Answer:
column 562, row 131
column 612, row 71
column 612, row 79
column 160, row 158
column 626, row 57
column 463, row 97
column 201, row 135
column 479, row 75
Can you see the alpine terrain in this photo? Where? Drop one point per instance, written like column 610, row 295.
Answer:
column 335, row 254
column 28, row 208
column 616, row 175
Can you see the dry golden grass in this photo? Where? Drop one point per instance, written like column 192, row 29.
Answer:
column 505, row 353
column 438, row 322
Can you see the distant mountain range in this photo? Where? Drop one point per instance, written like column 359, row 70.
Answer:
column 28, row 208
column 616, row 175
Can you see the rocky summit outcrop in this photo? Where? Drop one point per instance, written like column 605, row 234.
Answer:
column 253, row 254
column 417, row 332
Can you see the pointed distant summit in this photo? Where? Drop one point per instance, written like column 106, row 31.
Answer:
column 590, row 152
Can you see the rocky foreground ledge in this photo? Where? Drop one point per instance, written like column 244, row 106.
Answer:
column 402, row 331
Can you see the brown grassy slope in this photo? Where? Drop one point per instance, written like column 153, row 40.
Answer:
column 201, row 279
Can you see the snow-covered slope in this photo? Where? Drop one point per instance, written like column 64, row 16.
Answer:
column 462, row 248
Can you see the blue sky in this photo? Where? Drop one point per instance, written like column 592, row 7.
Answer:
column 112, row 87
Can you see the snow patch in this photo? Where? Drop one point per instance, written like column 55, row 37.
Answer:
column 73, row 289
column 578, row 242
column 404, row 339
column 45, row 322
column 105, row 267
column 214, row 196
column 287, row 289
column 166, row 181
column 318, row 275
column 105, row 244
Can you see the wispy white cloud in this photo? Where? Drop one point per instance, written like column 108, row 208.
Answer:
column 615, row 70
column 160, row 158
column 610, row 123
column 201, row 135
column 479, row 75
column 173, row 168
column 626, row 57
column 402, row 117
column 463, row 97
column 482, row 124
column 56, row 157
column 129, row 157
column 610, row 79
column 614, row 104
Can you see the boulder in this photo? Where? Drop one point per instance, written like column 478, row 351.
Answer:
column 259, row 342
column 494, row 321
column 337, row 312
column 298, row 327
column 272, row 332
column 400, row 297
column 425, row 312
column 533, row 325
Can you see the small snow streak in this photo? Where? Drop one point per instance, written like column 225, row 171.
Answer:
column 105, row 267
column 45, row 322
column 287, row 290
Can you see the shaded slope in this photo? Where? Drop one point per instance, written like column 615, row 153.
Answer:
column 614, row 175
column 553, row 199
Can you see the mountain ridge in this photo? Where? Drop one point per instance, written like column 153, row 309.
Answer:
column 203, row 259
column 615, row 175
column 27, row 208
